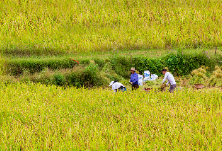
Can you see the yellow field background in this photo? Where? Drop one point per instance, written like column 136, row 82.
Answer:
column 48, row 48
column 68, row 26
column 39, row 117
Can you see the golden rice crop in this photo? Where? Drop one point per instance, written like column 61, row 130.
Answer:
column 39, row 117
column 201, row 70
column 218, row 75
column 200, row 75
column 194, row 72
column 217, row 67
column 67, row 26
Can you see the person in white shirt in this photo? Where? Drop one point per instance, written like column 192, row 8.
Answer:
column 170, row 80
column 116, row 86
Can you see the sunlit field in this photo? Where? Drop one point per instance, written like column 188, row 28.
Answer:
column 72, row 26
column 39, row 117
column 57, row 58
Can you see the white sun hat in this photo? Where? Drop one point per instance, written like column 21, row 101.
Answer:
column 132, row 69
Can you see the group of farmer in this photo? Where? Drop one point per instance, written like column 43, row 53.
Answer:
column 134, row 81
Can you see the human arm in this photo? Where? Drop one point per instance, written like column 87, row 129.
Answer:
column 131, row 79
column 164, row 79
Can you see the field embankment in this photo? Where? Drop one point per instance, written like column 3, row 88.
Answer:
column 65, row 27
column 100, row 69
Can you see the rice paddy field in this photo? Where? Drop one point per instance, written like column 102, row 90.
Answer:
column 48, row 48
column 39, row 117
column 43, row 27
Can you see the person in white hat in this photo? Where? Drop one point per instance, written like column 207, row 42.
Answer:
column 116, row 86
column 134, row 79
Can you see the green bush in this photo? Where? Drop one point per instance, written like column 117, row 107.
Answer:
column 58, row 79
column 75, row 79
column 179, row 64
column 99, row 62
column 91, row 75
column 183, row 64
column 121, row 65
column 153, row 65
column 84, row 61
column 108, row 72
column 78, row 77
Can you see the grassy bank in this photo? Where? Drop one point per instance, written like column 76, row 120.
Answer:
column 57, row 27
column 100, row 68
column 118, row 59
column 39, row 117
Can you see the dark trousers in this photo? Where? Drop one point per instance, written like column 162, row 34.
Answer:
column 135, row 86
column 172, row 88
column 123, row 89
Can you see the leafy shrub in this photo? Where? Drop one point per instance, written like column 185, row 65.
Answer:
column 92, row 76
column 75, row 79
column 183, row 64
column 99, row 62
column 155, row 66
column 92, row 69
column 58, row 79
column 121, row 65
column 85, row 61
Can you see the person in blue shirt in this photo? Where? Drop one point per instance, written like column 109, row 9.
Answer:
column 134, row 79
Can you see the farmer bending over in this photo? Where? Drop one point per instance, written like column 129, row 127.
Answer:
column 134, row 79
column 116, row 86
column 170, row 80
